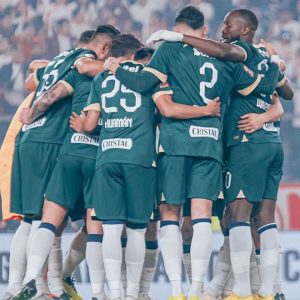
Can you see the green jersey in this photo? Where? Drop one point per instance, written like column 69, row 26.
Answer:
column 75, row 143
column 196, row 79
column 258, row 59
column 53, row 125
column 128, row 119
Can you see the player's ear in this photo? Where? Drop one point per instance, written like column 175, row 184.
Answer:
column 246, row 30
column 106, row 50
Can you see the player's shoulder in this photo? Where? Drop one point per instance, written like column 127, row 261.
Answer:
column 170, row 46
column 132, row 66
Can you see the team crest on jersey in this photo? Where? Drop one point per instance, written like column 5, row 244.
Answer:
column 35, row 124
column 247, row 70
column 125, row 144
column 199, row 131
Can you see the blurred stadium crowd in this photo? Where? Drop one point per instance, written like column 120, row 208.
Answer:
column 31, row 29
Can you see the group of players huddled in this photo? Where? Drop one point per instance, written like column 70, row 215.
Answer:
column 194, row 133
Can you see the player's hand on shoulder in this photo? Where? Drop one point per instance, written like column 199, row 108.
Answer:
column 164, row 35
column 24, row 116
column 111, row 64
column 249, row 123
column 269, row 47
column 76, row 121
column 214, row 107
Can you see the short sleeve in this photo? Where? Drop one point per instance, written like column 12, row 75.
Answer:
column 281, row 79
column 161, row 89
column 38, row 75
column 70, row 80
column 93, row 102
column 245, row 79
column 246, row 48
column 84, row 55
column 159, row 63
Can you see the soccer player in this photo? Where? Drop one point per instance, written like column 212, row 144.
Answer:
column 39, row 142
column 125, row 164
column 182, row 141
column 239, row 29
column 17, row 259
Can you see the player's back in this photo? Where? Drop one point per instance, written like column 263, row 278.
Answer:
column 128, row 122
column 195, row 79
column 75, row 143
column 52, row 126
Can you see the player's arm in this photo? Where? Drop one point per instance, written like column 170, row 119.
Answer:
column 91, row 120
column 140, row 82
column 283, row 87
column 44, row 101
column 30, row 83
column 92, row 108
column 285, row 91
column 170, row 109
column 89, row 67
column 252, row 122
column 156, row 71
column 33, row 79
column 216, row 49
column 37, row 64
column 212, row 48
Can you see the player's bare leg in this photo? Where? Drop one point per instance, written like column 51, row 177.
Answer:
column 269, row 250
column 187, row 235
column 240, row 246
column 150, row 260
column 201, row 246
column 171, row 246
column 94, row 257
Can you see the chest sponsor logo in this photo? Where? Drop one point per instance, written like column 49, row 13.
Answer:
column 79, row 138
column 118, row 123
column 270, row 127
column 35, row 124
column 199, row 131
column 116, row 144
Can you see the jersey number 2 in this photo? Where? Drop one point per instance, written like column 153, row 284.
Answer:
column 207, row 84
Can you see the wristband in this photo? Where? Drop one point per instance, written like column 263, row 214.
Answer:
column 275, row 59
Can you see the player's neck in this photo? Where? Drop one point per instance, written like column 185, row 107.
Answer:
column 124, row 58
column 249, row 38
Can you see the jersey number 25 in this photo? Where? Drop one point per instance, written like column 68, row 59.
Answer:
column 121, row 90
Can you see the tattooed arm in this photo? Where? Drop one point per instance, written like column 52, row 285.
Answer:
column 43, row 102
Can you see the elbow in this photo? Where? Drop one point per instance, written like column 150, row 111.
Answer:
column 289, row 95
column 29, row 87
column 281, row 112
column 88, row 128
column 166, row 112
column 82, row 69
